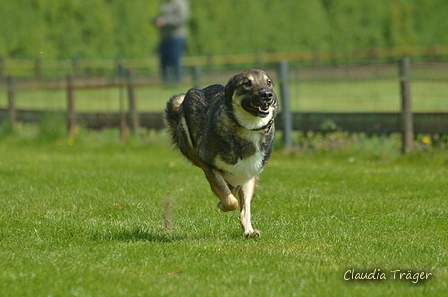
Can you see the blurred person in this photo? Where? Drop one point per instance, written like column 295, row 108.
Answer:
column 172, row 22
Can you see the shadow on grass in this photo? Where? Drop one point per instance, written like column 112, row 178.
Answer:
column 137, row 234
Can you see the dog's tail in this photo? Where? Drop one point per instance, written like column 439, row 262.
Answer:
column 172, row 116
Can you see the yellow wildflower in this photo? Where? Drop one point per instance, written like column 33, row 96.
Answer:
column 426, row 140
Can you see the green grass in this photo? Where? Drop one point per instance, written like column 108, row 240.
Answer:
column 88, row 220
column 363, row 96
column 339, row 96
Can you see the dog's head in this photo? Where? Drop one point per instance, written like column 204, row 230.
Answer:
column 251, row 96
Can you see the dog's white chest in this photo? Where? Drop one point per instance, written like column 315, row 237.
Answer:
column 242, row 171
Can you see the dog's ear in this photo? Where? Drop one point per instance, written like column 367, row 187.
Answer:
column 230, row 87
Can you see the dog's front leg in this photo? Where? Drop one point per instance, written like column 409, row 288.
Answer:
column 220, row 188
column 245, row 193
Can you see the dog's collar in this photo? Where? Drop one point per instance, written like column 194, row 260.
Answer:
column 266, row 127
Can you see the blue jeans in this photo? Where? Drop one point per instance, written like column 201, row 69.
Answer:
column 170, row 51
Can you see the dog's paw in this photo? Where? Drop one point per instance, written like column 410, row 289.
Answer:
column 226, row 209
column 253, row 233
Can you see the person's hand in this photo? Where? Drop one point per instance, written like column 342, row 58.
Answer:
column 160, row 22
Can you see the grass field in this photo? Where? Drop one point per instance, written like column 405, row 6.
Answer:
column 86, row 218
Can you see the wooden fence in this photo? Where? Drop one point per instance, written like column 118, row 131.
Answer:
column 405, row 121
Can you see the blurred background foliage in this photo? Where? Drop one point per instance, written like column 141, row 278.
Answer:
column 58, row 29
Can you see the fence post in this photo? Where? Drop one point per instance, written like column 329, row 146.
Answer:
column 286, row 108
column 432, row 53
column 406, row 110
column 12, row 102
column 123, row 124
column 77, row 65
column 71, row 115
column 211, row 62
column 38, row 68
column 259, row 59
column 133, row 114
column 196, row 74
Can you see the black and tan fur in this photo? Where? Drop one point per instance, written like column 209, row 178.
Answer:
column 228, row 132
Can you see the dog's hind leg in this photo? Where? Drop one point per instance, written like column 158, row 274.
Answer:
column 245, row 194
column 221, row 189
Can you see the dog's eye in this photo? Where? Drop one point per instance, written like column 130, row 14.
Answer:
column 248, row 84
column 269, row 82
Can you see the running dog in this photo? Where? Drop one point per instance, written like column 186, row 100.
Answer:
column 228, row 132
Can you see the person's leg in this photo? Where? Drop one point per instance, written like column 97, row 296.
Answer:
column 178, row 46
column 164, row 52
column 171, row 59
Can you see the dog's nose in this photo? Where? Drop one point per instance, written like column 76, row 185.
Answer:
column 267, row 95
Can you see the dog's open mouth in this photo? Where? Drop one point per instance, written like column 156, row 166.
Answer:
column 262, row 107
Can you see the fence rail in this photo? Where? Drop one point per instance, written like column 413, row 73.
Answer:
column 372, row 122
column 404, row 121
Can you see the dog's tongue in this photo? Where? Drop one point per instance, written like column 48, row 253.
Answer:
column 264, row 106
